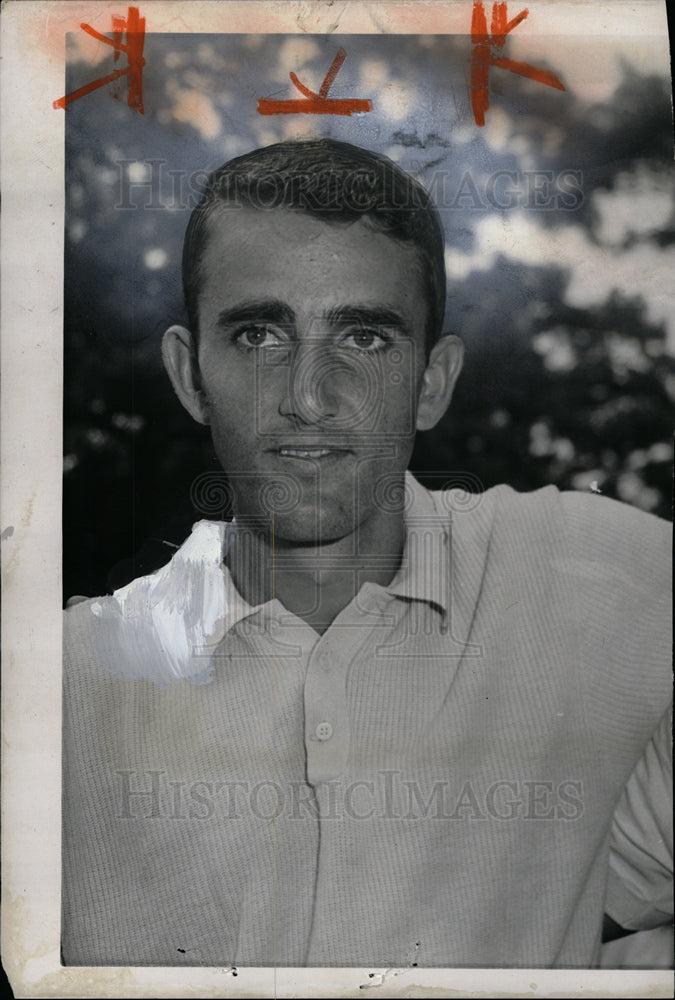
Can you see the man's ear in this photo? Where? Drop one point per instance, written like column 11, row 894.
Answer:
column 180, row 360
column 438, row 382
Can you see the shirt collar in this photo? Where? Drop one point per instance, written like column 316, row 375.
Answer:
column 424, row 571
column 422, row 576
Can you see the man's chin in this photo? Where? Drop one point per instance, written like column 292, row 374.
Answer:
column 311, row 531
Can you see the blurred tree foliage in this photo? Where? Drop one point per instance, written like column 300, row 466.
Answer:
column 580, row 397
column 587, row 403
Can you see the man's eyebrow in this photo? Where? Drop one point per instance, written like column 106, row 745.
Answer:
column 368, row 316
column 262, row 310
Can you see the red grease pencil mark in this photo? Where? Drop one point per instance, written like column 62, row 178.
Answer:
column 133, row 28
column 511, row 605
column 316, row 104
column 482, row 56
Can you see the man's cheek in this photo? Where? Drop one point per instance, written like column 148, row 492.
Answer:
column 398, row 416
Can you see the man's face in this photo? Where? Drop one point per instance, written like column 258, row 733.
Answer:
column 311, row 353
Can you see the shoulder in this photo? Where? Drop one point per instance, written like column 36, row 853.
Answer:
column 150, row 628
column 603, row 561
column 626, row 549
column 594, row 579
column 79, row 627
column 619, row 533
column 584, row 523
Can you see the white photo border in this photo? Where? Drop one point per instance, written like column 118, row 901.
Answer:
column 33, row 76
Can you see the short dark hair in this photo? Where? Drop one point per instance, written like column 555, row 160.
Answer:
column 336, row 182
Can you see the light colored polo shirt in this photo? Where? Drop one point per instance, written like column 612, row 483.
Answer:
column 433, row 780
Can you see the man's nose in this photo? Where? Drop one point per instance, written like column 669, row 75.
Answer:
column 312, row 389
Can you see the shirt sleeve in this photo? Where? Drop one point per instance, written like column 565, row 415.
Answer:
column 640, row 886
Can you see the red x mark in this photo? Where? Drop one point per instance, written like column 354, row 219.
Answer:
column 316, row 104
column 482, row 56
column 133, row 27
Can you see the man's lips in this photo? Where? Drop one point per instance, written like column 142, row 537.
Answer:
column 310, row 450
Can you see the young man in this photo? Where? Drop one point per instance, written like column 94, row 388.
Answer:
column 363, row 723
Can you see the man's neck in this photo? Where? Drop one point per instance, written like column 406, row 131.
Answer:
column 316, row 582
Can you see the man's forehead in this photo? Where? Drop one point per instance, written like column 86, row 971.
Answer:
column 352, row 262
column 238, row 227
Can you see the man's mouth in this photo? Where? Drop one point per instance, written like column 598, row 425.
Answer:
column 304, row 452
column 318, row 452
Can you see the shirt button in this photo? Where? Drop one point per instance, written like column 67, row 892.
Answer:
column 323, row 731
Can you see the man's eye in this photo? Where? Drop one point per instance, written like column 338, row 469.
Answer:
column 366, row 338
column 258, row 336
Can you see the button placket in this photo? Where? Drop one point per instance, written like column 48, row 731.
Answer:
column 326, row 686
column 327, row 732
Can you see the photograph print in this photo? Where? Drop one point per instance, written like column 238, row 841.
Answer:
column 368, row 382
